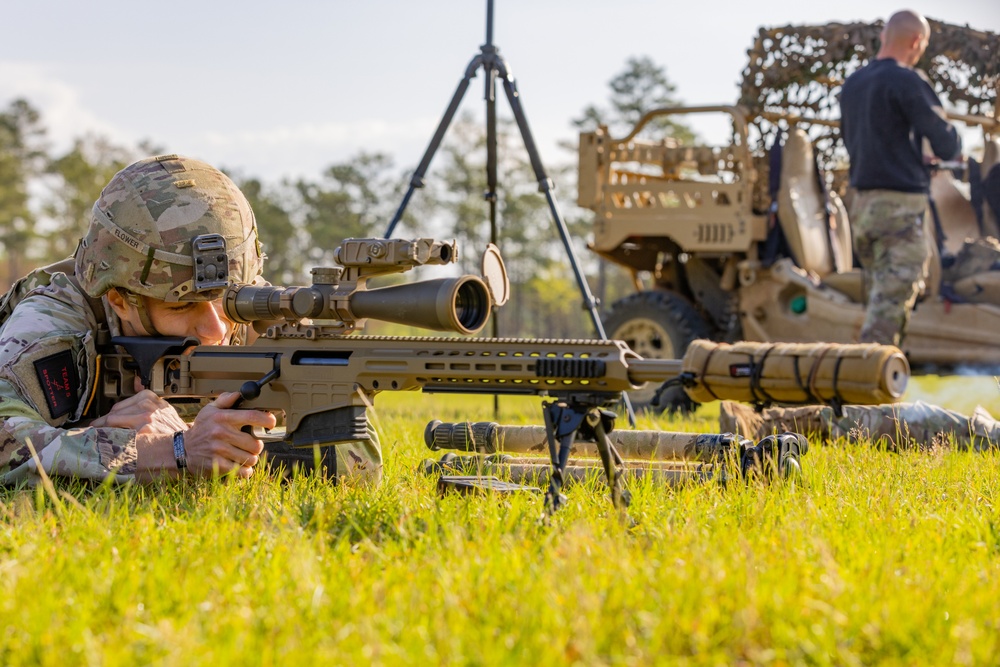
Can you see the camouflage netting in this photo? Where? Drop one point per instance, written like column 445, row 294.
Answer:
column 798, row 70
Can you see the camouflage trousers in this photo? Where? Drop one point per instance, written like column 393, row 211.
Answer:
column 916, row 425
column 889, row 240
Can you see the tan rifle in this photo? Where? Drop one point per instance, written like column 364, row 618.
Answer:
column 307, row 367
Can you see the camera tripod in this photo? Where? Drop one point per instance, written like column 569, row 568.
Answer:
column 495, row 67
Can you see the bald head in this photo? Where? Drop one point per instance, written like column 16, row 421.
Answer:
column 905, row 37
column 906, row 25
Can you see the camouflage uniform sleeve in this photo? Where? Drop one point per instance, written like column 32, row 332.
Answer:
column 88, row 453
column 47, row 366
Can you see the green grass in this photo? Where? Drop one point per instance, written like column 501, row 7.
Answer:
column 872, row 558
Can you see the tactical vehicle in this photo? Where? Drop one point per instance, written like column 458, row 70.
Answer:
column 751, row 240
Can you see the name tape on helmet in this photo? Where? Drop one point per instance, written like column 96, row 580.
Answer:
column 144, row 248
column 139, row 245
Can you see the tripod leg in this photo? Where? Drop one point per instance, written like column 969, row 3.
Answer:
column 545, row 186
column 417, row 181
column 491, row 149
column 491, row 166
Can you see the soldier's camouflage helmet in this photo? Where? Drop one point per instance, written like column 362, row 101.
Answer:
column 172, row 228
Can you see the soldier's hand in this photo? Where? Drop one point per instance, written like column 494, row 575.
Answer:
column 216, row 443
column 145, row 412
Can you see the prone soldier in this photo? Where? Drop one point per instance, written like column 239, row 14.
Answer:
column 915, row 425
column 166, row 237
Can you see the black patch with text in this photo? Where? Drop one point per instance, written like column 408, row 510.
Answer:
column 59, row 380
column 740, row 370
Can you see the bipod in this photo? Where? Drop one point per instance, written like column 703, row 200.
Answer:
column 495, row 67
column 563, row 420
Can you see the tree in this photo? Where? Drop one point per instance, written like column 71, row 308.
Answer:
column 641, row 86
column 526, row 234
column 524, row 229
column 22, row 159
column 354, row 199
column 80, row 175
column 279, row 236
column 550, row 307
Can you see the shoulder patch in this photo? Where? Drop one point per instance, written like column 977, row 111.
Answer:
column 58, row 378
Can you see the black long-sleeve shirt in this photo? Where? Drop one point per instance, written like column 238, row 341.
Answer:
column 886, row 109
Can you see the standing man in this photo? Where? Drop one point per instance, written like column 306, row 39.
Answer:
column 888, row 109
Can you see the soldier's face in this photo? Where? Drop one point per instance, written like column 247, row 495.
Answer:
column 205, row 320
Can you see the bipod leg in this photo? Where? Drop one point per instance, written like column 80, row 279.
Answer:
column 562, row 421
column 601, row 422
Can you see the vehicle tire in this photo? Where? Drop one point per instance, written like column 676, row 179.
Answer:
column 657, row 325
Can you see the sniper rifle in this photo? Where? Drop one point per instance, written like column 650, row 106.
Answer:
column 306, row 366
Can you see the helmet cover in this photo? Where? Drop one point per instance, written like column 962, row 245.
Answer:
column 171, row 228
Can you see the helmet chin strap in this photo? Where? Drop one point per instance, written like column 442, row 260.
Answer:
column 140, row 307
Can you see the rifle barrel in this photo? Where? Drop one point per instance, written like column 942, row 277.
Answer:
column 641, row 371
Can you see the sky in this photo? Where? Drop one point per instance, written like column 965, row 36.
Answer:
column 285, row 89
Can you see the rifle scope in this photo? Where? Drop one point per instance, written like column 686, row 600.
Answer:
column 459, row 304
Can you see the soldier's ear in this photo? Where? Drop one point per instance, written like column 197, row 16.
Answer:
column 118, row 302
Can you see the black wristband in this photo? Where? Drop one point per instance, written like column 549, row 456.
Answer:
column 179, row 453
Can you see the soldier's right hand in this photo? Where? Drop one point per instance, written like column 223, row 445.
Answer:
column 215, row 443
column 145, row 413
